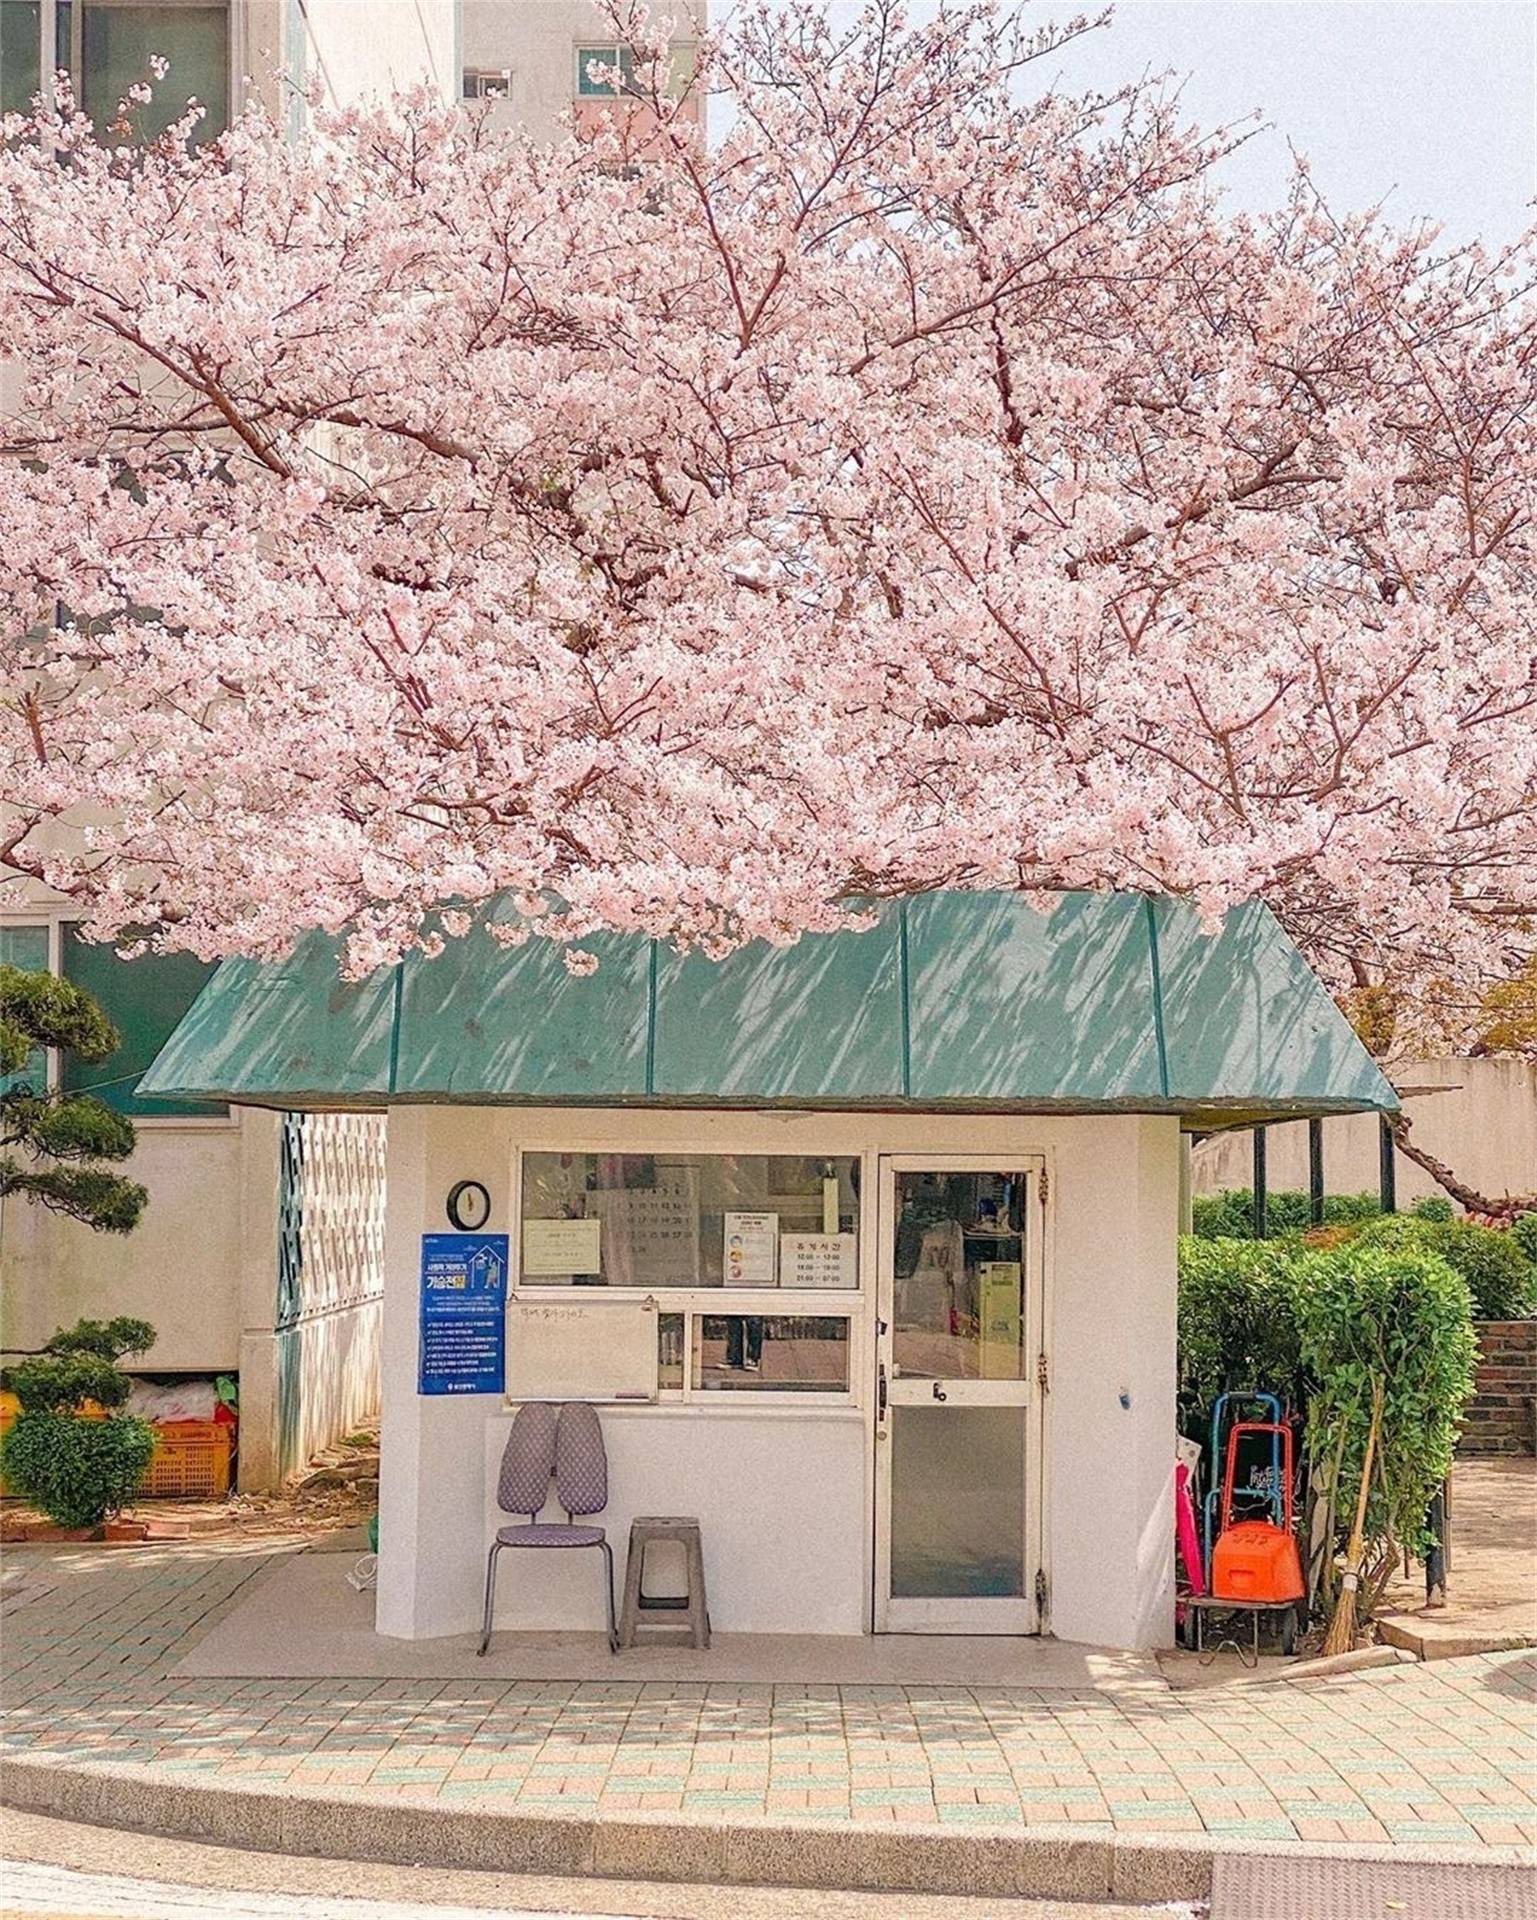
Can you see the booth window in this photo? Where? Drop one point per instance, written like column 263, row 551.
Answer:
column 774, row 1353
column 26, row 948
column 663, row 1221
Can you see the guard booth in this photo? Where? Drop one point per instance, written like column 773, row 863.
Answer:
column 864, row 1247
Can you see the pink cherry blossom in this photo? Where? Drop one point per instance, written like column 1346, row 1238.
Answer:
column 927, row 484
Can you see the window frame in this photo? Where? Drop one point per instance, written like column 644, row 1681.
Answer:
column 491, row 83
column 679, row 52
column 849, row 1304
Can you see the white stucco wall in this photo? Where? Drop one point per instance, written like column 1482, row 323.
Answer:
column 180, row 1269
column 784, row 1494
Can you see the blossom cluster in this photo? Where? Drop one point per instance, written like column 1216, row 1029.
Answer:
column 925, row 483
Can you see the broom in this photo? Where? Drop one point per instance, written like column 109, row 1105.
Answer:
column 1341, row 1636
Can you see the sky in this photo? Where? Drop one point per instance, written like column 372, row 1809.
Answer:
column 1429, row 106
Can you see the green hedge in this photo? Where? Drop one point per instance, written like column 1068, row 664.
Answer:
column 1501, row 1280
column 1316, row 1326
column 1399, row 1314
column 1499, row 1264
column 1229, row 1214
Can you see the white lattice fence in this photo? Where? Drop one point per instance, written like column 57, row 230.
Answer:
column 331, row 1213
column 330, row 1280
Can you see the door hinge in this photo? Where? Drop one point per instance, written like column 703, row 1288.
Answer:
column 1045, row 1188
column 1041, row 1596
column 1043, row 1371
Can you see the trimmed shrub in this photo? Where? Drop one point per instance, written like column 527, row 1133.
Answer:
column 1237, row 1322
column 1501, row 1280
column 1393, row 1311
column 1523, row 1230
column 78, row 1467
column 1433, row 1206
column 78, row 1471
column 1229, row 1214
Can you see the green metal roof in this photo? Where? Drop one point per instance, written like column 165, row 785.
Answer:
column 1111, row 1003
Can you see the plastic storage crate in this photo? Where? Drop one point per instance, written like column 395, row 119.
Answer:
column 192, row 1461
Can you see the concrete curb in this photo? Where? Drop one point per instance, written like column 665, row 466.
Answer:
column 1432, row 1639
column 996, row 1861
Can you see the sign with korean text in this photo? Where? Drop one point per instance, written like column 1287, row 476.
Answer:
column 750, row 1250
column 463, row 1313
column 818, row 1260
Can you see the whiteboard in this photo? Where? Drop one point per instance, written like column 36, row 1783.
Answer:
column 567, row 1348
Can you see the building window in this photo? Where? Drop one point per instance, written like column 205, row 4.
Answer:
column 590, row 59
column 106, row 47
column 485, row 83
column 26, row 947
column 144, row 999
column 665, row 1221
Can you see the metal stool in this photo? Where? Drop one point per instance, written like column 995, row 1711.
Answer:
column 639, row 1607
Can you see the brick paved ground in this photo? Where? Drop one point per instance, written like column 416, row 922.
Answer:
column 1439, row 1754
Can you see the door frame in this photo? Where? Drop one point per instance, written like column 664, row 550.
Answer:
column 1024, row 1615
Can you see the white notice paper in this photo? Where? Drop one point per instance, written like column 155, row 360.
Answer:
column 818, row 1259
column 562, row 1247
column 751, row 1246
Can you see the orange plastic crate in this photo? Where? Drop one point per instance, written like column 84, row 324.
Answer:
column 192, row 1459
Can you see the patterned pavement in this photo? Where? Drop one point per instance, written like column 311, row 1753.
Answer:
column 1441, row 1754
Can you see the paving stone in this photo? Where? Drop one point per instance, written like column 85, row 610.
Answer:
column 1413, row 1755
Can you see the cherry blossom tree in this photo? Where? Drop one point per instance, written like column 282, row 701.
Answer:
column 926, row 482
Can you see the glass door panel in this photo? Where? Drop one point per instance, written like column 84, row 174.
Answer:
column 958, row 1276
column 957, row 1502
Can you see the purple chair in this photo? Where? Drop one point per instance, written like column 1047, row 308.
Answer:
column 568, row 1441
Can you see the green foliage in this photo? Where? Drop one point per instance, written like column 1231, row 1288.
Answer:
column 76, row 1471
column 1312, row 1326
column 1500, row 1278
column 63, row 1136
column 1523, row 1230
column 41, row 1010
column 111, row 1339
column 76, row 1468
column 1433, row 1206
column 1237, row 1322
column 1229, row 1214
column 78, row 1366
column 1395, row 1312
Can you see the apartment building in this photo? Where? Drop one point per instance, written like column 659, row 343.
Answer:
column 545, row 65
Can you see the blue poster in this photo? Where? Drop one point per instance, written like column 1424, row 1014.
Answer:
column 464, row 1307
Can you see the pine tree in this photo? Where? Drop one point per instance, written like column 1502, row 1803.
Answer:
column 64, row 1137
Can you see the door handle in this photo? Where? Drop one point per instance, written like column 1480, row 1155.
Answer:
column 939, row 1392
column 880, row 1391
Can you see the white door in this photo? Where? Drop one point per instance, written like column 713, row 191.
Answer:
column 961, row 1372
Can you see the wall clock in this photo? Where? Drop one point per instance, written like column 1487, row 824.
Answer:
column 469, row 1206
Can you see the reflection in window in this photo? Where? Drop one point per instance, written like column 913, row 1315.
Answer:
column 958, row 1276
column 751, row 1352
column 666, row 1220
column 589, row 61
column 671, row 1334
